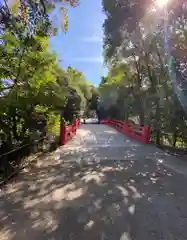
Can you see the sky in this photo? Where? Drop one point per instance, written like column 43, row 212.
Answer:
column 81, row 46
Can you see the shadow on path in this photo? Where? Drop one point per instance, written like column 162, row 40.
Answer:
column 109, row 200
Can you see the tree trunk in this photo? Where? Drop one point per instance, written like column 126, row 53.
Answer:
column 158, row 137
column 141, row 117
column 141, row 111
column 157, row 119
column 14, row 128
column 174, row 138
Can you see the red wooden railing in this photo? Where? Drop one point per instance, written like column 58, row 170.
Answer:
column 137, row 132
column 67, row 132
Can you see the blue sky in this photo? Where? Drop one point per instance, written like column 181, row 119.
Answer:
column 81, row 47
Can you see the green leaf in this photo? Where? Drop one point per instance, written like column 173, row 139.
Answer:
column 14, row 7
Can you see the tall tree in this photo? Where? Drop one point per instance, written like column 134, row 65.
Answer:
column 150, row 43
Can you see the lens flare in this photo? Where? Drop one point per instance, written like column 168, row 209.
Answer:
column 161, row 3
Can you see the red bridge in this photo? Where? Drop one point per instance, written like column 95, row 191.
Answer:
column 101, row 184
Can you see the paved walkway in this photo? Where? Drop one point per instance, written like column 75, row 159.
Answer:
column 101, row 186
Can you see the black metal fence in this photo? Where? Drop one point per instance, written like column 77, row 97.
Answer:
column 13, row 160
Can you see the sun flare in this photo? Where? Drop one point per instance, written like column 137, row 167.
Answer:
column 161, row 3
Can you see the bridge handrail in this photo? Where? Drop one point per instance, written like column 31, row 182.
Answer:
column 137, row 132
column 135, row 128
column 68, row 131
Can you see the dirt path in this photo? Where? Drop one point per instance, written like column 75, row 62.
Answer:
column 127, row 199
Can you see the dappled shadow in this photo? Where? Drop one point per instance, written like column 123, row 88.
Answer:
column 99, row 142
column 106, row 200
column 100, row 153
column 100, row 186
column 96, row 135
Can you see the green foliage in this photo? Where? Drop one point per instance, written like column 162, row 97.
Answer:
column 80, row 96
column 147, row 74
column 53, row 123
column 34, row 90
column 39, row 92
column 93, row 103
column 33, row 15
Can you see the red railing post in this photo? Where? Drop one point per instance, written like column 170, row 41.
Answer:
column 146, row 134
column 108, row 120
column 125, row 127
column 67, row 132
column 140, row 133
column 63, row 135
column 74, row 127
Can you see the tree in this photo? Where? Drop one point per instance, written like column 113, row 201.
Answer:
column 30, row 76
column 147, row 70
column 93, row 102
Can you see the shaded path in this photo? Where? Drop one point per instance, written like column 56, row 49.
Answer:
column 125, row 194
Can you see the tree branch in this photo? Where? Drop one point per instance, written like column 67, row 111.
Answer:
column 20, row 61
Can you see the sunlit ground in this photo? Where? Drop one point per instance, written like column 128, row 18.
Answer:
column 128, row 199
column 110, row 200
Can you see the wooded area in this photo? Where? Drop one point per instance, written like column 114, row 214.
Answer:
column 34, row 89
column 145, row 48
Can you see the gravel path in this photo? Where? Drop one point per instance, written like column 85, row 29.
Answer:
column 124, row 197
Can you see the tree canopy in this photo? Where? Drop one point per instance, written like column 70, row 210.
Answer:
column 34, row 89
column 144, row 48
